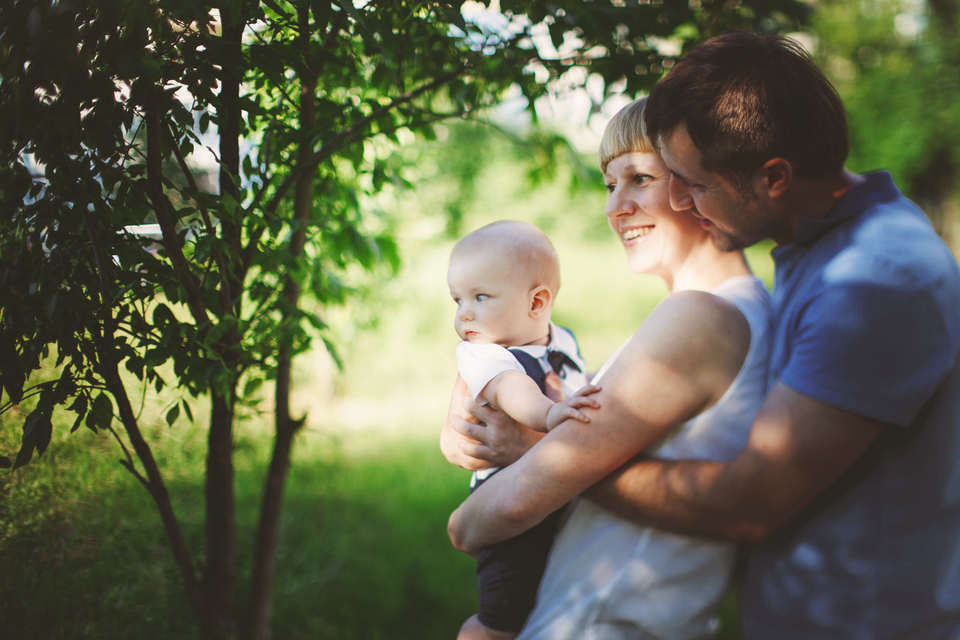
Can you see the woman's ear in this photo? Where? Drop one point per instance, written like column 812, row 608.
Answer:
column 540, row 300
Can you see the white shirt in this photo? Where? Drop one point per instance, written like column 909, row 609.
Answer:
column 609, row 579
column 480, row 363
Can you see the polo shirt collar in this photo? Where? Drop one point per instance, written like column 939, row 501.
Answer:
column 876, row 187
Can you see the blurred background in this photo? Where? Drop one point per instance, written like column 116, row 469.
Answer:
column 363, row 551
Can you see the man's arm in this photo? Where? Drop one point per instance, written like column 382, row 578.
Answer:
column 797, row 448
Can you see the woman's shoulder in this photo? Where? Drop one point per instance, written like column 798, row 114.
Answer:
column 697, row 307
column 698, row 323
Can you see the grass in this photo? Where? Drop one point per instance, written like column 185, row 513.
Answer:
column 363, row 552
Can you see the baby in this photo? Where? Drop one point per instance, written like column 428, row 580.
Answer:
column 504, row 278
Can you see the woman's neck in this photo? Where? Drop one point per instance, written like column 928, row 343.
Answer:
column 706, row 267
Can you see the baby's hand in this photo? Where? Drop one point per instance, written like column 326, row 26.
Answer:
column 568, row 409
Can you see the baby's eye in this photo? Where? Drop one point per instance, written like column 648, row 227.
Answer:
column 458, row 301
column 481, row 297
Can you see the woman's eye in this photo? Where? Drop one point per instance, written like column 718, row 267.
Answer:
column 641, row 178
column 610, row 187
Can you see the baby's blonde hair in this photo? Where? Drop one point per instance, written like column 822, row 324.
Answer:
column 625, row 133
column 523, row 245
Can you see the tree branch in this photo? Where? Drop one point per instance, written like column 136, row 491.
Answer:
column 188, row 174
column 107, row 368
column 312, row 161
column 162, row 207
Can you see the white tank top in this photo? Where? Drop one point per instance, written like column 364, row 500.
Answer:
column 608, row 579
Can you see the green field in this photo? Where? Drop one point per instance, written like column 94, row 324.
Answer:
column 363, row 552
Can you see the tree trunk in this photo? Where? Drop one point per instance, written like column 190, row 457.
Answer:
column 268, row 532
column 219, row 579
column 153, row 482
column 220, row 573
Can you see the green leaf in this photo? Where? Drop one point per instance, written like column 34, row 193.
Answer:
column 187, row 411
column 163, row 316
column 27, row 446
column 38, row 429
column 101, row 413
column 351, row 9
column 173, row 414
column 76, row 423
column 251, row 387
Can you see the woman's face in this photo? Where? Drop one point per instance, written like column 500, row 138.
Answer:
column 657, row 239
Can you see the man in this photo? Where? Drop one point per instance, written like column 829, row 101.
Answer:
column 849, row 487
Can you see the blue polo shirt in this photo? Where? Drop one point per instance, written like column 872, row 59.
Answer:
column 867, row 319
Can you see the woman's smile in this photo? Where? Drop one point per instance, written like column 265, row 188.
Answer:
column 635, row 233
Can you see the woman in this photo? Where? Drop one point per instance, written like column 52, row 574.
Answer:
column 687, row 384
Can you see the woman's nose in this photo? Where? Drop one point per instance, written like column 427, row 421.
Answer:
column 680, row 198
column 617, row 205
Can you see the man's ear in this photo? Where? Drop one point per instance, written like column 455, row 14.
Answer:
column 778, row 176
column 540, row 299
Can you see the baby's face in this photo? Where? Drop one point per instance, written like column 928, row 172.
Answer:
column 493, row 300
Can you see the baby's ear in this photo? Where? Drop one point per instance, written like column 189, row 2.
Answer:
column 540, row 300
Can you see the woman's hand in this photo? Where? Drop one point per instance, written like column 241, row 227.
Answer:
column 496, row 441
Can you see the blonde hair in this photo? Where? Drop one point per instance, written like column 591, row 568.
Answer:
column 523, row 245
column 625, row 133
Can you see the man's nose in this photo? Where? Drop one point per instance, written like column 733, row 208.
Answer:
column 680, row 198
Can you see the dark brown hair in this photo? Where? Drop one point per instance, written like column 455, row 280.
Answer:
column 746, row 98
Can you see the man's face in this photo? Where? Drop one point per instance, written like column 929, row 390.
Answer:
column 733, row 219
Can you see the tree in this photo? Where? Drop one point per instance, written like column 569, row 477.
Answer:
column 103, row 105
column 897, row 66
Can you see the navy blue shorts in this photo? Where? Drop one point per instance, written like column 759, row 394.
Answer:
column 509, row 574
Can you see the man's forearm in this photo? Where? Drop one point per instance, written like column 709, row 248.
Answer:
column 680, row 496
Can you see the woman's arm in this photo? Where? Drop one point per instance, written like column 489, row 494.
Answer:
column 680, row 361
column 797, row 448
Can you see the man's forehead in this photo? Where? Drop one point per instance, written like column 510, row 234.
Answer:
column 680, row 154
column 673, row 154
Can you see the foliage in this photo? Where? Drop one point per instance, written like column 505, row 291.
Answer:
column 107, row 108
column 897, row 67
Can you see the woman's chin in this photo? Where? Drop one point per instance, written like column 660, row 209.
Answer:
column 641, row 267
